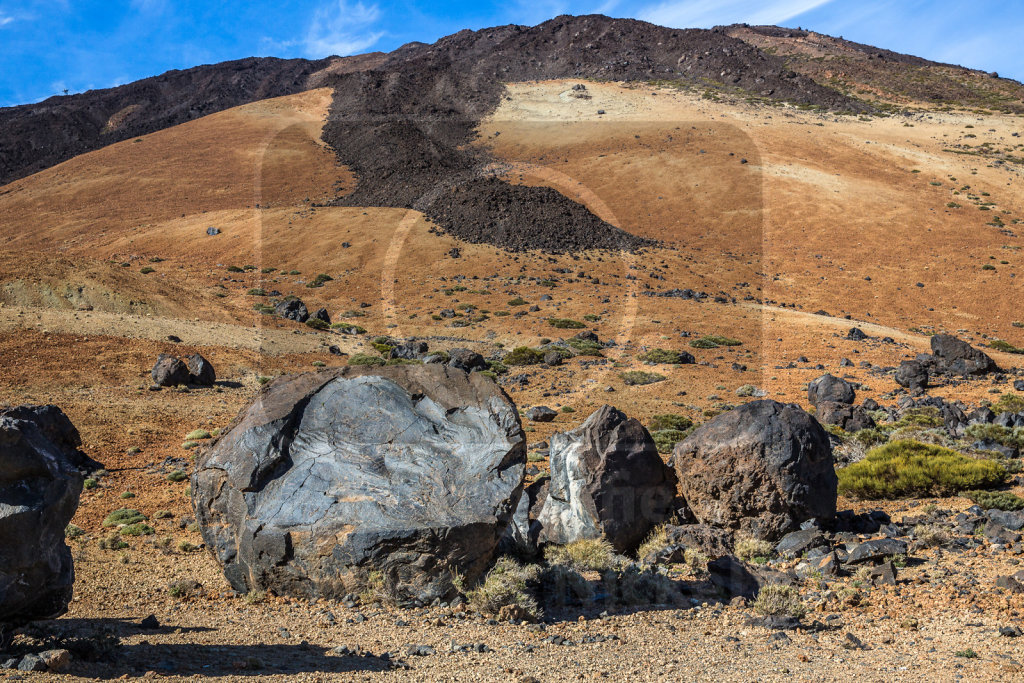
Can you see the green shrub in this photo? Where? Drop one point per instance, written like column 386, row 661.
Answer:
column 518, row 301
column 988, row 266
column 90, row 483
column 319, row 281
column 713, row 341
column 1009, row 403
column 365, row 359
column 317, row 324
column 177, row 475
column 197, row 434
column 257, row 291
column 137, row 529
column 523, row 355
column 584, row 347
column 163, row 514
column 349, row 328
column 909, row 468
column 666, row 439
column 72, row 531
column 870, row 437
column 640, row 378
column 1000, row 345
column 669, row 421
column 591, row 317
column 661, row 356
column 999, row 500
column 123, row 516
column 566, row 323
column 235, row 269
column 147, row 270
column 1014, row 438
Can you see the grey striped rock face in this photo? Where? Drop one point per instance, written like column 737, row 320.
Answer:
column 607, row 479
column 39, row 489
column 399, row 476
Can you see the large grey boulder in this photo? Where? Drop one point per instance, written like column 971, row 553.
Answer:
column 407, row 475
column 607, row 479
column 763, row 467
column 960, row 358
column 40, row 484
column 830, row 388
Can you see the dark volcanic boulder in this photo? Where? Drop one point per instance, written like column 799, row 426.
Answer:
column 322, row 314
column 960, row 358
column 763, row 467
column 607, row 479
column 541, row 414
column 410, row 350
column 292, row 309
column 464, row 359
column 846, row 417
column 200, row 371
column 169, row 371
column 912, row 374
column 829, row 388
column 39, row 488
column 408, row 473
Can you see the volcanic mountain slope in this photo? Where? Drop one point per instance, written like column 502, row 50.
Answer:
column 881, row 77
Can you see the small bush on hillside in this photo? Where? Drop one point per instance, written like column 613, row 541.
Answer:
column 72, row 531
column 123, row 516
column 257, row 291
column 870, row 437
column 138, row 529
column 655, row 542
column 666, row 439
column 1014, row 438
column 518, row 301
column 636, row 586
column 585, row 347
column 664, row 356
column 234, row 269
column 640, row 378
column 1000, row 345
column 197, row 434
column 365, row 359
column 1009, row 403
column 908, row 468
column 669, row 421
column 177, row 475
column 713, row 341
column 523, row 355
column 566, row 323
column 998, row 500
column 147, row 270
column 318, row 324
column 319, row 281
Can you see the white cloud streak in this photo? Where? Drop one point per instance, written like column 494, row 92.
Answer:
column 706, row 13
column 342, row 28
column 5, row 19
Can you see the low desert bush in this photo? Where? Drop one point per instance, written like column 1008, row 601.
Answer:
column 669, row 421
column 123, row 516
column 523, row 355
column 909, row 468
column 749, row 548
column 507, row 583
column 713, row 341
column 585, row 554
column 566, row 324
column 661, row 356
column 365, row 359
column 641, row 378
column 666, row 439
column 779, row 600
column 998, row 500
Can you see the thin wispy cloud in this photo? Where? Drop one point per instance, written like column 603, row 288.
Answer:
column 5, row 19
column 704, row 13
column 343, row 28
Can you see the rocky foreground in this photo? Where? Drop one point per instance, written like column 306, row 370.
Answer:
column 379, row 520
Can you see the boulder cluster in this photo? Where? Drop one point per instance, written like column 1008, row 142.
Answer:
column 407, row 476
column 950, row 357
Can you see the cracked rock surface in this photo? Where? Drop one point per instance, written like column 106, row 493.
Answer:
column 396, row 477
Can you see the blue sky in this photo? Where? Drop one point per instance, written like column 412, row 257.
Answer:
column 49, row 45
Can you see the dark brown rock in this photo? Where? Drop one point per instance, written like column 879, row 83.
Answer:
column 764, row 467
